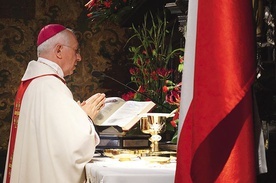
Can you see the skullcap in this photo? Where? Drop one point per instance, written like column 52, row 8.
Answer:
column 49, row 31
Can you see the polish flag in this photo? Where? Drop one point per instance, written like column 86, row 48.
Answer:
column 216, row 139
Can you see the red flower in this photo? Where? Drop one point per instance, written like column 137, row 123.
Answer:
column 165, row 89
column 107, row 4
column 141, row 89
column 176, row 115
column 90, row 4
column 138, row 62
column 154, row 76
column 134, row 71
column 181, row 59
column 147, row 61
column 128, row 96
column 174, row 123
column 89, row 14
column 175, row 119
column 162, row 72
column 171, row 86
column 173, row 96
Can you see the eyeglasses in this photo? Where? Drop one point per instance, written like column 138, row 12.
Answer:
column 76, row 50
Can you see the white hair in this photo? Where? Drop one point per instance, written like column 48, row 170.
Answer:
column 61, row 37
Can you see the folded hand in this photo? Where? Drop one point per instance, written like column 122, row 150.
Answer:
column 93, row 105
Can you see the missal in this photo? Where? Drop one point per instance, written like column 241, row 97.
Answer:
column 125, row 114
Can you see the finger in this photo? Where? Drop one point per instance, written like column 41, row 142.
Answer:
column 83, row 103
column 96, row 102
column 100, row 100
column 101, row 104
column 94, row 97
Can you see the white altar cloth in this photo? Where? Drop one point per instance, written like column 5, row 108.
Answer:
column 108, row 170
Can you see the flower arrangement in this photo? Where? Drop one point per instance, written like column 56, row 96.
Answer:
column 113, row 10
column 152, row 69
column 173, row 94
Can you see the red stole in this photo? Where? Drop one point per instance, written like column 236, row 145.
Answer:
column 16, row 110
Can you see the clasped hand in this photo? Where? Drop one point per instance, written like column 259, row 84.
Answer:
column 93, row 105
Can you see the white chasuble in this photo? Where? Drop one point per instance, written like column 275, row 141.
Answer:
column 55, row 138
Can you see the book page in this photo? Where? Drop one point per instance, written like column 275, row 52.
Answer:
column 111, row 105
column 128, row 112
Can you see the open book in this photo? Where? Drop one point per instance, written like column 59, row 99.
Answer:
column 125, row 114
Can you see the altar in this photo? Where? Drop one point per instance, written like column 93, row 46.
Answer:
column 126, row 159
column 136, row 170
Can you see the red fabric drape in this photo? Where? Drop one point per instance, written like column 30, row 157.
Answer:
column 216, row 142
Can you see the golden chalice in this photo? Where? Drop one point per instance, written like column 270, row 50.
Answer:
column 154, row 124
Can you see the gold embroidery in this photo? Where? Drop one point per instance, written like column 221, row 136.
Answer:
column 15, row 123
column 10, row 165
column 17, row 105
column 16, row 113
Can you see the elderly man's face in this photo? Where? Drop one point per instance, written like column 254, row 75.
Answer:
column 71, row 55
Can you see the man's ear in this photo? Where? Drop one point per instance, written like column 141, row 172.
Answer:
column 58, row 51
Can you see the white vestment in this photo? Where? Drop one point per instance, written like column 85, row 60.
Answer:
column 55, row 139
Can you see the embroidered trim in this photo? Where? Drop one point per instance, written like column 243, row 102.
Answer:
column 16, row 111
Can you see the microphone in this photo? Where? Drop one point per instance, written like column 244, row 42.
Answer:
column 99, row 74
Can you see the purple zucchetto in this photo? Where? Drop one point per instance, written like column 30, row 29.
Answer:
column 49, row 31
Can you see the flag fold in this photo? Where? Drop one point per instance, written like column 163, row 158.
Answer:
column 216, row 141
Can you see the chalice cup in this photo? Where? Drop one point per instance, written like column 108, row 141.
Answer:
column 153, row 124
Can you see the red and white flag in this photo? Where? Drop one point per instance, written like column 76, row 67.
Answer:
column 216, row 140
